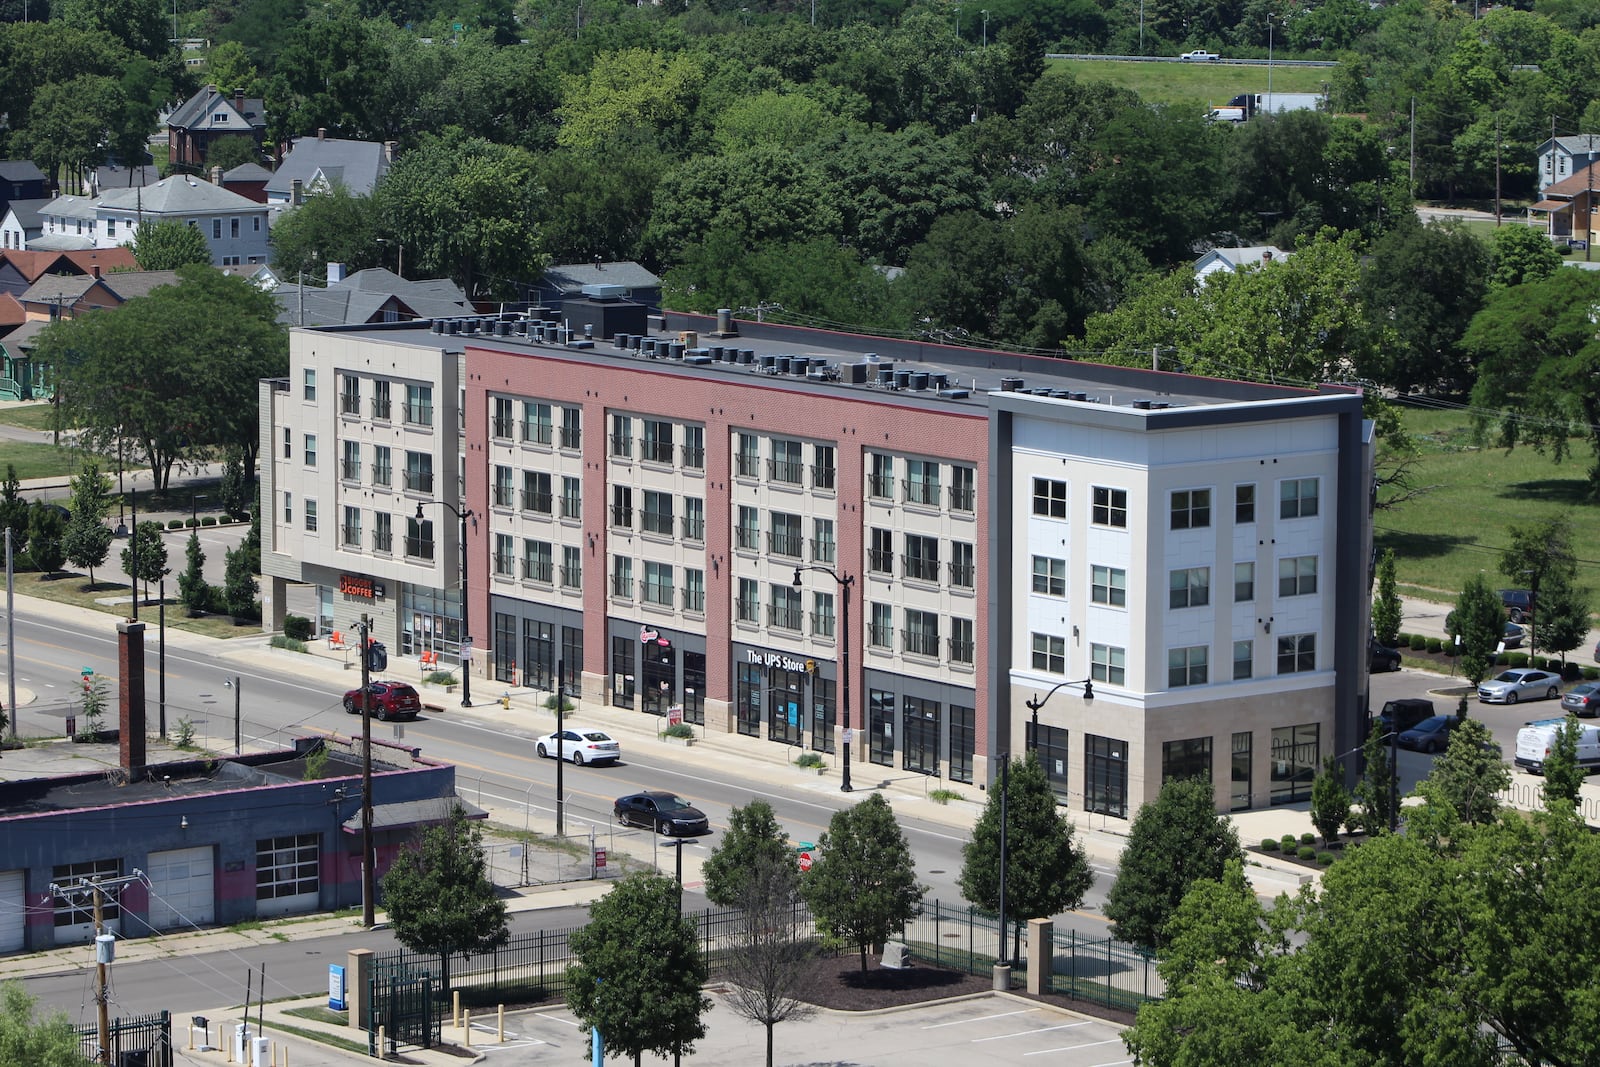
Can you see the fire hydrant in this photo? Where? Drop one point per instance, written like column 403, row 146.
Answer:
column 505, row 699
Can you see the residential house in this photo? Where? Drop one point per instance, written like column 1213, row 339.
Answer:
column 1233, row 260
column 314, row 165
column 109, row 176
column 235, row 228
column 209, row 116
column 368, row 296
column 21, row 179
column 21, row 221
column 623, row 278
column 1569, row 207
column 249, row 180
column 1562, row 157
column 64, row 296
column 19, row 270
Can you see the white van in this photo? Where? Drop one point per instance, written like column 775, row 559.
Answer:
column 1535, row 740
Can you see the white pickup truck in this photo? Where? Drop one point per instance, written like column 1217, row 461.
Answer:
column 1199, row 55
column 1536, row 739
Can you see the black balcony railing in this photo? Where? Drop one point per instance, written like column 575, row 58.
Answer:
column 536, row 501
column 920, row 567
column 419, row 548
column 919, row 643
column 822, row 624
column 921, row 492
column 535, row 433
column 880, row 486
column 785, row 544
column 782, row 618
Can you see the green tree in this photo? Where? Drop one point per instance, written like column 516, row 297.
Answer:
column 633, row 89
column 1539, row 551
column 1521, row 254
column 87, row 540
column 332, row 227
column 1330, row 800
column 139, row 23
column 1386, row 609
column 639, row 970
column 768, row 962
column 439, row 897
column 1562, row 622
column 1046, row 871
column 753, row 834
column 1480, row 619
column 28, row 1040
column 46, row 528
column 230, row 152
column 193, row 589
column 66, row 125
column 1465, row 780
column 148, row 549
column 1375, row 792
column 239, row 587
column 236, row 491
column 863, row 888
column 1562, row 773
column 1176, row 839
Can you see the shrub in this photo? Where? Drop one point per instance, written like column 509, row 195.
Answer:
column 441, row 678
column 566, row 703
column 185, row 735
column 208, row 520
column 191, row 522
column 1306, row 852
column 1269, row 844
column 1325, row 858
column 808, row 759
column 1435, row 645
column 679, row 729
column 1308, row 839
column 1289, row 842
column 1517, row 659
column 174, row 524
column 297, row 627
column 943, row 796
column 1418, row 642
column 281, row 641
column 1591, row 674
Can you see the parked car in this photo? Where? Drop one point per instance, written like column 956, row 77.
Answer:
column 1513, row 635
column 665, row 813
column 1536, row 739
column 1382, row 657
column 1429, row 735
column 1401, row 715
column 1583, row 700
column 1519, row 604
column 390, row 700
column 1199, row 55
column 580, row 746
column 1520, row 683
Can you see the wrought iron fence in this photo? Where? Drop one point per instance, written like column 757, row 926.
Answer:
column 137, row 1041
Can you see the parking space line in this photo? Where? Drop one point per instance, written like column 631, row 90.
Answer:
column 1113, row 1063
column 558, row 1019
column 981, row 1019
column 1074, row 1048
column 1025, row 1033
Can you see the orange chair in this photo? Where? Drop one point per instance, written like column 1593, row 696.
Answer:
column 336, row 640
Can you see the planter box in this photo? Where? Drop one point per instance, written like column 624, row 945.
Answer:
column 681, row 742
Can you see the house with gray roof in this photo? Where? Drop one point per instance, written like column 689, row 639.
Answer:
column 20, row 222
column 565, row 280
column 369, row 296
column 1561, row 158
column 319, row 163
column 210, row 116
column 21, row 179
column 235, row 228
column 1234, row 260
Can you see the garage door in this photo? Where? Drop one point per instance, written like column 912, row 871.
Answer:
column 13, row 913
column 181, row 889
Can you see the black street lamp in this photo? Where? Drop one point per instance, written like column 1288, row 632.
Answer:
column 1038, row 702
column 466, row 639
column 845, row 582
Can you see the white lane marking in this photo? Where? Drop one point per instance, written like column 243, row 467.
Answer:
column 1074, row 1048
column 1025, row 1033
column 558, row 1019
column 980, row 1019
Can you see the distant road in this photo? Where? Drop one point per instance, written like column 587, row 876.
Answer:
column 1174, row 59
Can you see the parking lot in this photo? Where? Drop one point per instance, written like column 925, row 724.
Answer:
column 994, row 1029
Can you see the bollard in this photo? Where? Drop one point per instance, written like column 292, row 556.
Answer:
column 501, row 1027
column 455, row 1008
column 466, row 1027
column 380, row 1043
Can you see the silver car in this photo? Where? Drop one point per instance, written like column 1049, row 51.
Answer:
column 1520, row 683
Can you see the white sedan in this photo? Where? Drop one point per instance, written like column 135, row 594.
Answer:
column 581, row 746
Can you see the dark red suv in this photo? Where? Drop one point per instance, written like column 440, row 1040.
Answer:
column 390, row 700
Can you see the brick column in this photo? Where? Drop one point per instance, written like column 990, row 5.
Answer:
column 130, row 702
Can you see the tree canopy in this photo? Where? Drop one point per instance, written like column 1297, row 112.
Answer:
column 168, row 245
column 863, row 888
column 753, row 836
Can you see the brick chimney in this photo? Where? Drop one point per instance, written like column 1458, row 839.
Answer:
column 238, row 101
column 389, row 150
column 216, row 175
column 130, row 699
column 322, row 133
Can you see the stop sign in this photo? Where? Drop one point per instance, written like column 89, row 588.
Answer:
column 805, row 862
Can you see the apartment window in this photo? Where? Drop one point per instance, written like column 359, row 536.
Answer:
column 962, row 648
column 622, row 506
column 823, row 472
column 694, row 519
column 747, row 455
column 657, row 441
column 621, row 437
column 1244, row 656
column 350, row 531
column 1108, row 664
column 880, row 553
column 1297, row 576
column 1105, row 776
column 1244, row 504
column 1050, row 654
column 1297, row 498
column 622, row 577
column 1186, row 759
column 381, row 407
column 1296, row 758
column 233, row 229
column 1297, row 653
column 785, row 538
column 571, row 427
column 287, row 866
column 1191, row 509
column 501, row 423
column 1189, row 587
column 310, row 386
column 880, row 480
column 505, row 560
column 963, row 742
column 694, row 590
column 536, row 492
column 963, row 573
column 311, row 450
column 1050, row 498
column 419, row 538
column 288, row 443
column 571, row 498
column 111, row 231
column 921, row 636
column 880, row 625
column 747, row 534
column 657, row 517
column 311, row 515
column 823, row 547
column 1108, row 585
column 963, row 488
column 536, row 423
column 921, row 559
column 748, row 604
column 382, row 532
column 785, row 465
column 694, row 447
column 419, row 405
column 350, row 465
column 419, row 472
column 658, row 583
column 571, row 567
column 538, row 561
column 504, row 494
column 822, row 614
column 1244, row 582
column 922, row 482
column 1049, row 576
column 350, row 395
column 216, row 229
column 1186, row 666
column 783, row 609
column 1110, row 507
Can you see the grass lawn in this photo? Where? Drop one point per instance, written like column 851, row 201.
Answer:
column 1459, row 527
column 40, row 460
column 110, row 582
column 1198, row 84
column 40, row 416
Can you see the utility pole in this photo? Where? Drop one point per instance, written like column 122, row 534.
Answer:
column 368, row 890
column 161, row 660
column 104, row 945
column 561, row 701
column 11, row 645
column 1497, row 168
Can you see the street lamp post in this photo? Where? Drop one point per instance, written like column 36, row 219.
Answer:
column 845, row 582
column 462, row 514
column 1038, row 702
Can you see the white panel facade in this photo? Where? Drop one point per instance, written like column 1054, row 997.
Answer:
column 182, row 888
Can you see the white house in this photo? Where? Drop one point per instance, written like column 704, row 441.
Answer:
column 1234, row 260
column 235, row 228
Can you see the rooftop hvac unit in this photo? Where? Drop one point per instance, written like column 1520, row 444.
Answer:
column 938, row 381
column 919, row 380
column 453, row 326
column 621, row 341
column 886, row 374
column 747, row 355
column 855, row 374
column 605, row 291
column 902, row 379
column 1158, row 405
column 768, row 362
column 635, row 342
column 1142, row 405
column 715, row 352
column 798, row 365
column 782, row 364
column 954, row 394
column 502, row 329
column 436, row 326
column 698, row 359
column 676, row 349
column 871, row 357
column 1010, row 385
column 581, row 343
column 1081, row 398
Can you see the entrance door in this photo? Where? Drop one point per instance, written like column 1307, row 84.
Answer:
column 921, row 737
column 784, row 701
column 182, row 893
column 13, row 912
column 880, row 727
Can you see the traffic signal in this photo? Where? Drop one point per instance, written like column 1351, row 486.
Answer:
column 377, row 656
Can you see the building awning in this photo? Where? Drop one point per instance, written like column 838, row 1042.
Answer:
column 1551, row 205
column 409, row 813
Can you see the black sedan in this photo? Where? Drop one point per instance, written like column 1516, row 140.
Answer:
column 665, row 813
column 1429, row 735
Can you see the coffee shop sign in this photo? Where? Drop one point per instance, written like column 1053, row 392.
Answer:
column 770, row 660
